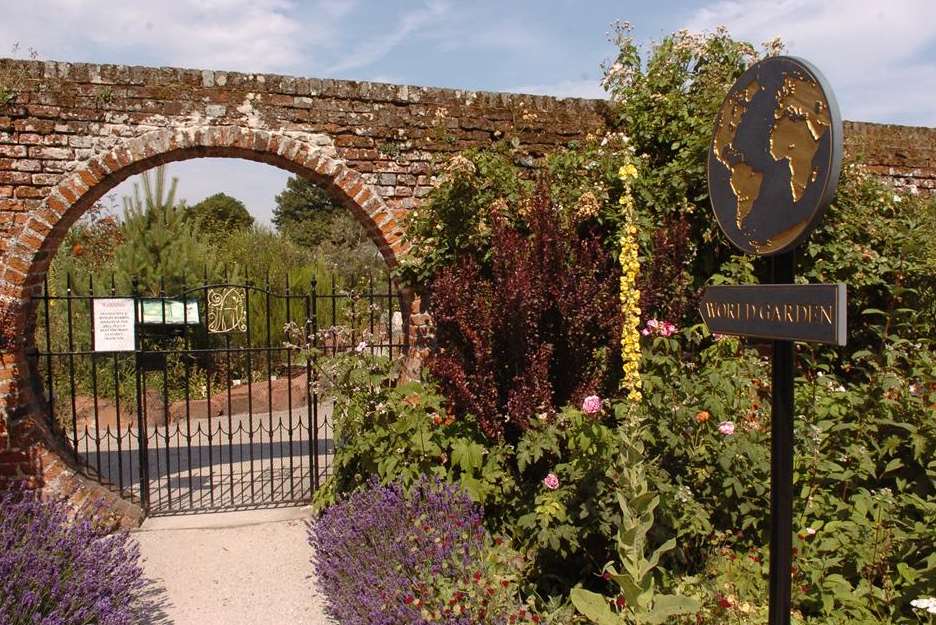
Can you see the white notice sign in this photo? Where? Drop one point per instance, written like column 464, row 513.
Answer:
column 114, row 329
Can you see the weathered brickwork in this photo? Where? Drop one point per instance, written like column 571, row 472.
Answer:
column 902, row 154
column 72, row 132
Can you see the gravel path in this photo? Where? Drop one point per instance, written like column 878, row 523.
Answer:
column 234, row 568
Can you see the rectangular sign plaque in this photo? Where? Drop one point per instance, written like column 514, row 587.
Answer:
column 114, row 327
column 168, row 311
column 813, row 313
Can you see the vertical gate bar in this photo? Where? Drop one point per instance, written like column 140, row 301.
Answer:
column 165, row 372
column 781, row 461
column 48, row 344
column 390, row 316
column 144, row 417
column 269, row 359
column 370, row 311
column 71, row 361
column 94, row 385
column 120, row 473
column 312, row 408
column 208, row 389
column 334, row 317
column 230, row 383
column 289, row 417
column 187, row 357
column 250, row 434
column 142, row 434
column 350, row 300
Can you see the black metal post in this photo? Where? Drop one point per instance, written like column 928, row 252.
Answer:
column 781, row 462
column 142, row 433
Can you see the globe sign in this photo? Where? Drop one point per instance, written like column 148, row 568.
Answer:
column 775, row 156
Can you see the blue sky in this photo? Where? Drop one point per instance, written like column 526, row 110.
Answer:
column 880, row 56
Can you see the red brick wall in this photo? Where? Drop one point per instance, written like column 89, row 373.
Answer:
column 904, row 155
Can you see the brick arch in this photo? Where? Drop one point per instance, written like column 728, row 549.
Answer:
column 43, row 231
column 37, row 453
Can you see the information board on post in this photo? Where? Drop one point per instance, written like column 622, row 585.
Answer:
column 773, row 167
column 114, row 325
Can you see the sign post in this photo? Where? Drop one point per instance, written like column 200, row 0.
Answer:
column 773, row 168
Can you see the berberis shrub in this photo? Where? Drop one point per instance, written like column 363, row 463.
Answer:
column 389, row 556
column 55, row 571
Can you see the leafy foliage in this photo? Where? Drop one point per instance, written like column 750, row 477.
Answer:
column 637, row 601
column 530, row 329
column 307, row 215
column 220, row 214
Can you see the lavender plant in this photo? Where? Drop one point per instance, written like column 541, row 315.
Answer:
column 58, row 571
column 385, row 556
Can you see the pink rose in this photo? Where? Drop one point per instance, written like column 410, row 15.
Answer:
column 591, row 405
column 551, row 481
column 726, row 428
column 668, row 329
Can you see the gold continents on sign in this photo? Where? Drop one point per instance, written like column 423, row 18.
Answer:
column 800, row 118
column 226, row 310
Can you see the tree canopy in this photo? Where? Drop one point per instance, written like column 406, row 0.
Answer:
column 220, row 213
column 305, row 212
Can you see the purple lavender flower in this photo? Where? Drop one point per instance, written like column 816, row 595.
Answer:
column 56, row 570
column 380, row 553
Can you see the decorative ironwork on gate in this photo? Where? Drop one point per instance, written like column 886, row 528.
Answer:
column 213, row 408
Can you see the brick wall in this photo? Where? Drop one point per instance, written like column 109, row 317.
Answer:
column 73, row 131
column 904, row 155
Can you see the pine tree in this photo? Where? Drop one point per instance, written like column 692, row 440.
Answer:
column 161, row 248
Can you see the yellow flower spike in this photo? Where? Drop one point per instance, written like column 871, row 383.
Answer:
column 630, row 294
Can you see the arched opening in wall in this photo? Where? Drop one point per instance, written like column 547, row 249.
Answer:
column 184, row 338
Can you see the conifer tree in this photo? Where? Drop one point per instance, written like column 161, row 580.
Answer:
column 161, row 248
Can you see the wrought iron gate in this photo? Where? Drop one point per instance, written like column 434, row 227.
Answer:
column 210, row 403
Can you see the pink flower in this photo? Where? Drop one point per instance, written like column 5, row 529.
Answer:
column 551, row 481
column 726, row 428
column 591, row 405
column 655, row 326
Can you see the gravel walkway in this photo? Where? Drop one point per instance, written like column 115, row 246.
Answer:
column 234, row 568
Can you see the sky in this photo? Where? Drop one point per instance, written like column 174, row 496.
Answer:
column 878, row 55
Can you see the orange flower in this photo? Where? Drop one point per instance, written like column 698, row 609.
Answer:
column 702, row 416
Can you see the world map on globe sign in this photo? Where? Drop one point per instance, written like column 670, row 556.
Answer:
column 775, row 155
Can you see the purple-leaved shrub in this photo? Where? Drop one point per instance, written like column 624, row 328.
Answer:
column 385, row 556
column 55, row 570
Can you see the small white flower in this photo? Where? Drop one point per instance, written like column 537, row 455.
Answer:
column 897, row 199
column 361, row 347
column 925, row 603
column 810, row 531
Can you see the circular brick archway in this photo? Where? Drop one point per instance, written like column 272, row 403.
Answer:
column 32, row 451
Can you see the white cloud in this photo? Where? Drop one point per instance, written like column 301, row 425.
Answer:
column 377, row 48
column 565, row 89
column 872, row 52
column 249, row 35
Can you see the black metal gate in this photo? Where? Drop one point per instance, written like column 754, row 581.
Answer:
column 209, row 399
